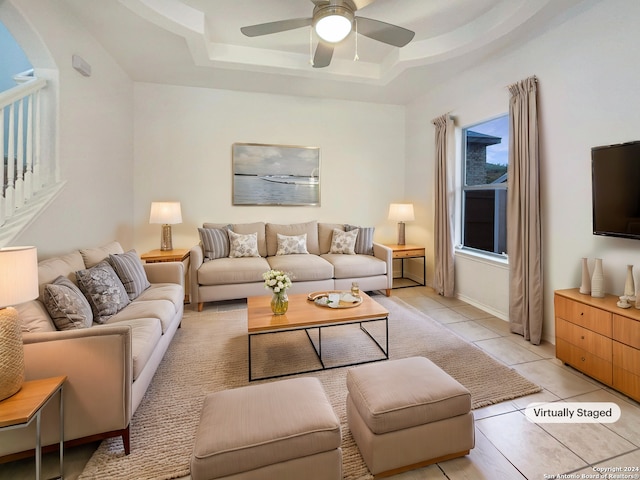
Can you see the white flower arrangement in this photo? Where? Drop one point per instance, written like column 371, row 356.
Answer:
column 276, row 281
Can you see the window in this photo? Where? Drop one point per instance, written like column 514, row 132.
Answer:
column 485, row 156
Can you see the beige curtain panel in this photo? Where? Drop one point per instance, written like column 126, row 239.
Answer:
column 524, row 238
column 443, row 242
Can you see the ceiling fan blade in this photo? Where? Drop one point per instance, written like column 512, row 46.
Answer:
column 384, row 32
column 275, row 27
column 362, row 3
column 322, row 57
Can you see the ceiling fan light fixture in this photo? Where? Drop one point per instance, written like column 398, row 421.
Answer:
column 333, row 23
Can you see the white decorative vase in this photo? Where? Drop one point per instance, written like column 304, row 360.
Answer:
column 629, row 284
column 585, row 286
column 597, row 280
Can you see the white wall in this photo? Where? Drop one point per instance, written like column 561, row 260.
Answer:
column 183, row 139
column 94, row 134
column 588, row 96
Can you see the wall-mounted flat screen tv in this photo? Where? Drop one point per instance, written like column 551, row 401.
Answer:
column 615, row 176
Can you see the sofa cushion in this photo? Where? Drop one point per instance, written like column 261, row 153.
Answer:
column 164, row 291
column 131, row 273
column 163, row 310
column 215, row 242
column 343, row 242
column 243, row 245
column 65, row 265
column 93, row 256
column 325, row 235
column 302, row 268
column 67, row 306
column 256, row 227
column 34, row 317
column 354, row 266
column 228, row 271
column 310, row 228
column 364, row 241
column 145, row 335
column 292, row 245
column 103, row 290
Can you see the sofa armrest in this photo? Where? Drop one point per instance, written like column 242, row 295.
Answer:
column 97, row 394
column 165, row 272
column 196, row 259
column 385, row 253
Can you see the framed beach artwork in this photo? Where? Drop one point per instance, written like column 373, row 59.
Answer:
column 275, row 174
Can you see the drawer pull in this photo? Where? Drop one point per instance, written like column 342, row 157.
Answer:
column 581, row 313
column 583, row 359
column 581, row 337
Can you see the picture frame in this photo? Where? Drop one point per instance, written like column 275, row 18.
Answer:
column 283, row 175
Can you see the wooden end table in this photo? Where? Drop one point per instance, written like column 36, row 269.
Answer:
column 19, row 410
column 403, row 252
column 175, row 255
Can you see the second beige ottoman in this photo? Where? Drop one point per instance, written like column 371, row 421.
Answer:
column 406, row 414
column 285, row 430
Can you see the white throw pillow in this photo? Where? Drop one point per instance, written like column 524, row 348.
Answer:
column 343, row 242
column 243, row 245
column 292, row 244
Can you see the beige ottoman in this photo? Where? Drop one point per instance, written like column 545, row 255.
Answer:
column 406, row 414
column 284, row 430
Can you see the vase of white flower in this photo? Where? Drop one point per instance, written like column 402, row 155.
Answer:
column 278, row 282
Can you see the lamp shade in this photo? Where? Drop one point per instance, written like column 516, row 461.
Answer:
column 18, row 275
column 401, row 212
column 165, row 213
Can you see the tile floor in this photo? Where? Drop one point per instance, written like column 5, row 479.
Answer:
column 508, row 446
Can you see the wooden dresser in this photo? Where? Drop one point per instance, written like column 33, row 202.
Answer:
column 599, row 338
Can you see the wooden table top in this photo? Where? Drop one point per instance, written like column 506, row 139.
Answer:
column 305, row 313
column 20, row 408
column 157, row 255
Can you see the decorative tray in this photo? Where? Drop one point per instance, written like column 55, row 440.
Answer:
column 334, row 299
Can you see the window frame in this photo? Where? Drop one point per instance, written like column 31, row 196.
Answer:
column 501, row 256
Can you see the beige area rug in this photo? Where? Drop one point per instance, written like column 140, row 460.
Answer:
column 209, row 353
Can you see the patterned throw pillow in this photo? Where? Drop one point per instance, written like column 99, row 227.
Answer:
column 364, row 242
column 215, row 242
column 343, row 242
column 131, row 273
column 292, row 244
column 243, row 245
column 67, row 306
column 103, row 289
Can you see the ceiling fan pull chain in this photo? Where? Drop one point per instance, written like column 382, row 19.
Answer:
column 356, row 58
column 311, row 46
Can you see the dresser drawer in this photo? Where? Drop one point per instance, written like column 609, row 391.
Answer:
column 626, row 357
column 586, row 316
column 585, row 339
column 626, row 330
column 584, row 361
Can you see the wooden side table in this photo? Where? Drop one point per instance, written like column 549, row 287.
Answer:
column 19, row 410
column 402, row 252
column 175, row 255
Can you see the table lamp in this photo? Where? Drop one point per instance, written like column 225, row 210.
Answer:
column 167, row 214
column 18, row 284
column 401, row 212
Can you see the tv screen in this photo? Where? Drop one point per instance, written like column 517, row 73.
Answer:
column 615, row 175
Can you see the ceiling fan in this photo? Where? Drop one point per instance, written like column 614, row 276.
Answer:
column 333, row 20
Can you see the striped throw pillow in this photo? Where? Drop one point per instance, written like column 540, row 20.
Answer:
column 215, row 242
column 364, row 241
column 131, row 273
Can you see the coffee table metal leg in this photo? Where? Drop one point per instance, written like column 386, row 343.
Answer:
column 386, row 322
column 319, row 349
column 250, row 356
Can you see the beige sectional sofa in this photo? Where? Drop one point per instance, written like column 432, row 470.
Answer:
column 108, row 366
column 224, row 277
